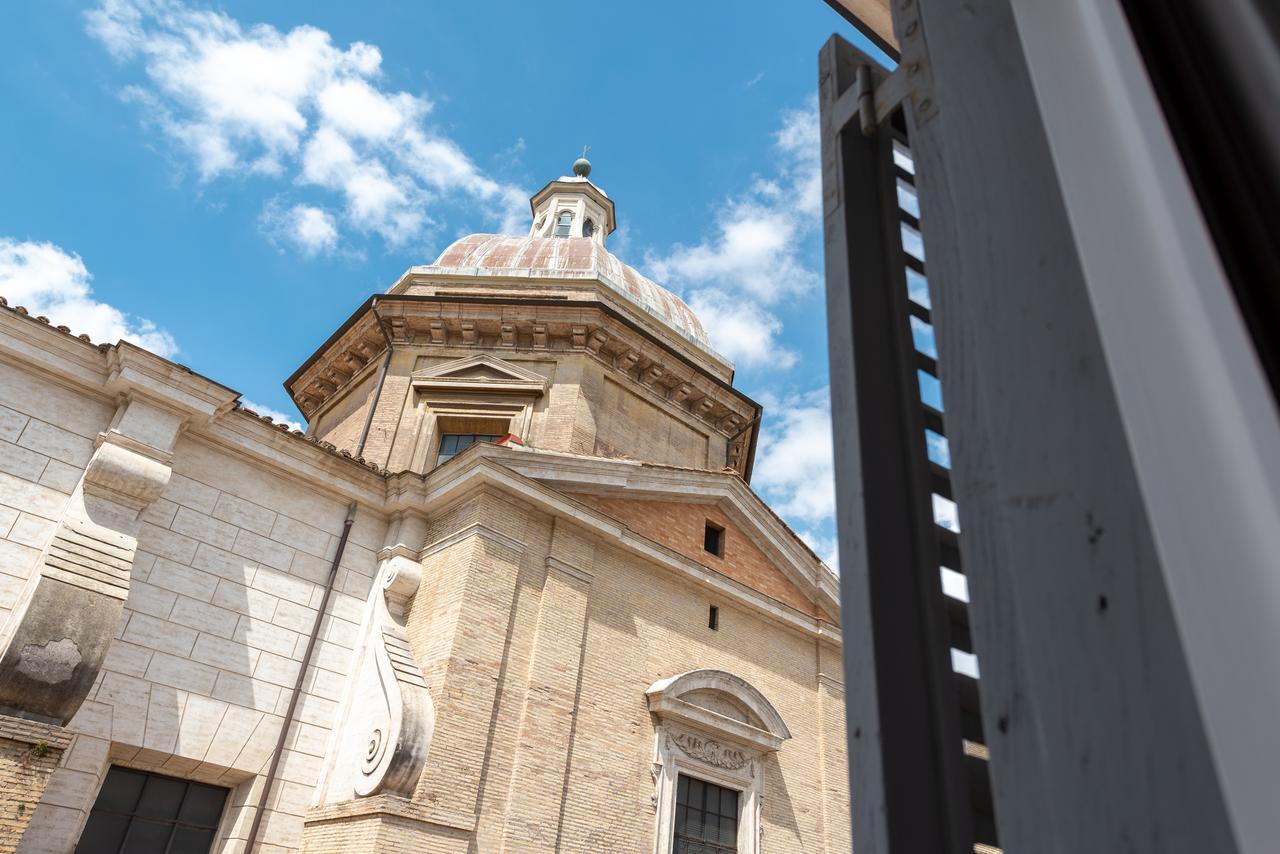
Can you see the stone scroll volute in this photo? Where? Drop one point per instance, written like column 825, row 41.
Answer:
column 394, row 717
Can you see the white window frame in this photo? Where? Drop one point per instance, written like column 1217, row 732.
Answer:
column 561, row 224
column 700, row 743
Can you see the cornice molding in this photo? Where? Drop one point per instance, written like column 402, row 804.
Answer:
column 134, row 372
column 398, row 550
column 544, row 328
column 831, row 682
column 556, row 565
column 476, row 529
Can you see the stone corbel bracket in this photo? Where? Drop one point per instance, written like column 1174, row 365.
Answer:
column 57, row 636
column 399, row 715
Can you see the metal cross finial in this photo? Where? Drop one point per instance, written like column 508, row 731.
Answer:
column 585, row 149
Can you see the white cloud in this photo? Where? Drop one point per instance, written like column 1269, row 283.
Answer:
column 47, row 280
column 312, row 230
column 244, row 100
column 755, row 255
column 756, row 250
column 742, row 330
column 824, row 547
column 274, row 414
column 794, row 460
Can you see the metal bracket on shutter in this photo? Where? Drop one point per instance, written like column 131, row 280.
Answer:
column 911, row 83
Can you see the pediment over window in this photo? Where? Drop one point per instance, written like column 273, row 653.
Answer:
column 481, row 373
column 719, row 704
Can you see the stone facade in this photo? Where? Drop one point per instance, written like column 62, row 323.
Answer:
column 514, row 652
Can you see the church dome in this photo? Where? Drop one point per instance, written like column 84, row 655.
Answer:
column 537, row 257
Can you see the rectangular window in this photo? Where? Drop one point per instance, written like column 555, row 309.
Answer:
column 713, row 539
column 713, row 618
column 706, row 818
column 452, row 444
column 137, row 812
column 563, row 224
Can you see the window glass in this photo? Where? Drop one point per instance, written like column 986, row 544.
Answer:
column 706, row 818
column 162, row 797
column 137, row 812
column 588, row 228
column 563, row 224
column 452, row 444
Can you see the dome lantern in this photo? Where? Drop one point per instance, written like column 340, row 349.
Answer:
column 571, row 206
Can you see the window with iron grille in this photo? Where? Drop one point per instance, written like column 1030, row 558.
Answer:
column 137, row 812
column 452, row 444
column 706, row 818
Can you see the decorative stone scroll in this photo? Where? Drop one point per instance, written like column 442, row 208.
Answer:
column 394, row 717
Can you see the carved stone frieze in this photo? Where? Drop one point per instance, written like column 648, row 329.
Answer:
column 709, row 750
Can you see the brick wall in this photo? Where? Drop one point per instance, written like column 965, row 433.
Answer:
column 341, row 425
column 29, row 751
column 682, row 527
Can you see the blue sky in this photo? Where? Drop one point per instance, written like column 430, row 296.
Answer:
column 225, row 183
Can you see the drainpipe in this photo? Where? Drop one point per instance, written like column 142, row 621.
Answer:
column 382, row 376
column 297, row 688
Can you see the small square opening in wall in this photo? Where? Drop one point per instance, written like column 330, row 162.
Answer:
column 713, row 618
column 713, row 539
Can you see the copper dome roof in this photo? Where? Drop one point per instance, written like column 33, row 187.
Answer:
column 573, row 258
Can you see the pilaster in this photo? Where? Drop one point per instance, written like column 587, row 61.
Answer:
column 458, row 627
column 544, row 746
column 833, row 750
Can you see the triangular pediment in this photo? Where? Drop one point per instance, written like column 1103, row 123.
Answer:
column 679, row 524
column 621, row 488
column 481, row 372
column 639, row 506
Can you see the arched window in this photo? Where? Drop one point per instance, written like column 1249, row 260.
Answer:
column 714, row 731
column 563, row 223
column 588, row 228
